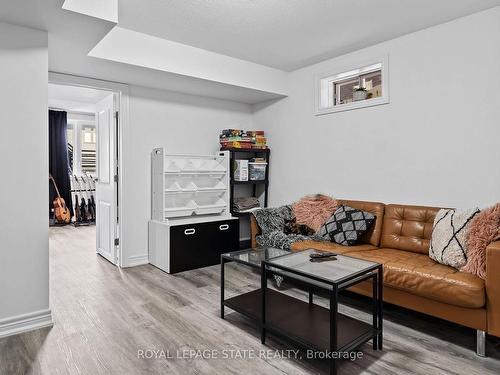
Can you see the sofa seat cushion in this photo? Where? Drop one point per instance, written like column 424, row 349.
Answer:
column 329, row 246
column 418, row 274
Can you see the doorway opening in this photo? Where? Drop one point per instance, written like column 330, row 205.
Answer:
column 84, row 128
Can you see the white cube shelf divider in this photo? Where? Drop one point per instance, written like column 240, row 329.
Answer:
column 186, row 186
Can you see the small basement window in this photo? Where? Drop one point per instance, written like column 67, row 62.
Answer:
column 355, row 88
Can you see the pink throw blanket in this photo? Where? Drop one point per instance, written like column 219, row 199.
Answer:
column 484, row 229
column 314, row 210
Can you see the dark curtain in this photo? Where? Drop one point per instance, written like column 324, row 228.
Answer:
column 58, row 157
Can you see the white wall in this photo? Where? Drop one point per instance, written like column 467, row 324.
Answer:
column 24, row 267
column 183, row 124
column 436, row 143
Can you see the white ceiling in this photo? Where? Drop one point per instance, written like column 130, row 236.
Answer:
column 72, row 36
column 75, row 99
column 282, row 33
column 103, row 9
column 288, row 34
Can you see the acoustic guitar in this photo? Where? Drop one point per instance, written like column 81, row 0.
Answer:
column 61, row 212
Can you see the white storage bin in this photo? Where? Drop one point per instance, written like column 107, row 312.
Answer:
column 172, row 166
column 179, row 210
column 192, row 165
column 172, row 186
column 212, row 166
column 214, row 208
column 257, row 171
column 219, row 186
column 178, row 200
column 193, row 183
column 179, row 183
column 183, row 180
column 206, row 181
column 207, row 197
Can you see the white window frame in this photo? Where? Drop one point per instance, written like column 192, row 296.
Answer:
column 81, row 125
column 78, row 121
column 324, row 86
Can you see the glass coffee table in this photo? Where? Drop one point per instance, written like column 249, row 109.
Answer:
column 252, row 258
column 304, row 323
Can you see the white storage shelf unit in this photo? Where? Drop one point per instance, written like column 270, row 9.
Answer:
column 191, row 222
column 189, row 185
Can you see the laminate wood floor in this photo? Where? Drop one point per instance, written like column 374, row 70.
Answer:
column 105, row 316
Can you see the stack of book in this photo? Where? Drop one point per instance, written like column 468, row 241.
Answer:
column 236, row 138
column 258, row 138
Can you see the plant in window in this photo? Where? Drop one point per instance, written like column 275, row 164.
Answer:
column 359, row 93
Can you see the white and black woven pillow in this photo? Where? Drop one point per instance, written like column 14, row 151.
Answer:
column 273, row 219
column 449, row 236
column 346, row 226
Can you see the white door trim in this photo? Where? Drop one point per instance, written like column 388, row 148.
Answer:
column 123, row 122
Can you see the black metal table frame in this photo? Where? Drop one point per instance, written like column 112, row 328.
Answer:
column 374, row 272
column 225, row 259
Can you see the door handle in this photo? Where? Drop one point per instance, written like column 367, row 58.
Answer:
column 224, row 227
column 189, row 231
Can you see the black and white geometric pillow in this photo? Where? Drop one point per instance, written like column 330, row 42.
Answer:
column 449, row 236
column 346, row 226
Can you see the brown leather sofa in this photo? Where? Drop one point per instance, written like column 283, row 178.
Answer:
column 400, row 241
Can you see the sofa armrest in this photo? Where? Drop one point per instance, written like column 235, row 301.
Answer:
column 254, row 230
column 493, row 287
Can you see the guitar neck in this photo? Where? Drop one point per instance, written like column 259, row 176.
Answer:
column 55, row 186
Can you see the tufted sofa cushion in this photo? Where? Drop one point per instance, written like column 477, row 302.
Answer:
column 408, row 227
column 418, row 274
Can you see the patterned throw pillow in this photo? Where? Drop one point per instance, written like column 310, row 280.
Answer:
column 346, row 226
column 273, row 219
column 449, row 236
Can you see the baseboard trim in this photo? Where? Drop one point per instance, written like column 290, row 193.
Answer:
column 137, row 260
column 25, row 323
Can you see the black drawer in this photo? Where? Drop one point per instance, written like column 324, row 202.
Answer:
column 184, row 242
column 200, row 245
column 227, row 237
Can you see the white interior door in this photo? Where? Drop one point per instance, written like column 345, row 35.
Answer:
column 106, row 186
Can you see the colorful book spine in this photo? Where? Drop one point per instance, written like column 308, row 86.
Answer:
column 236, row 144
column 236, row 138
column 232, row 132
